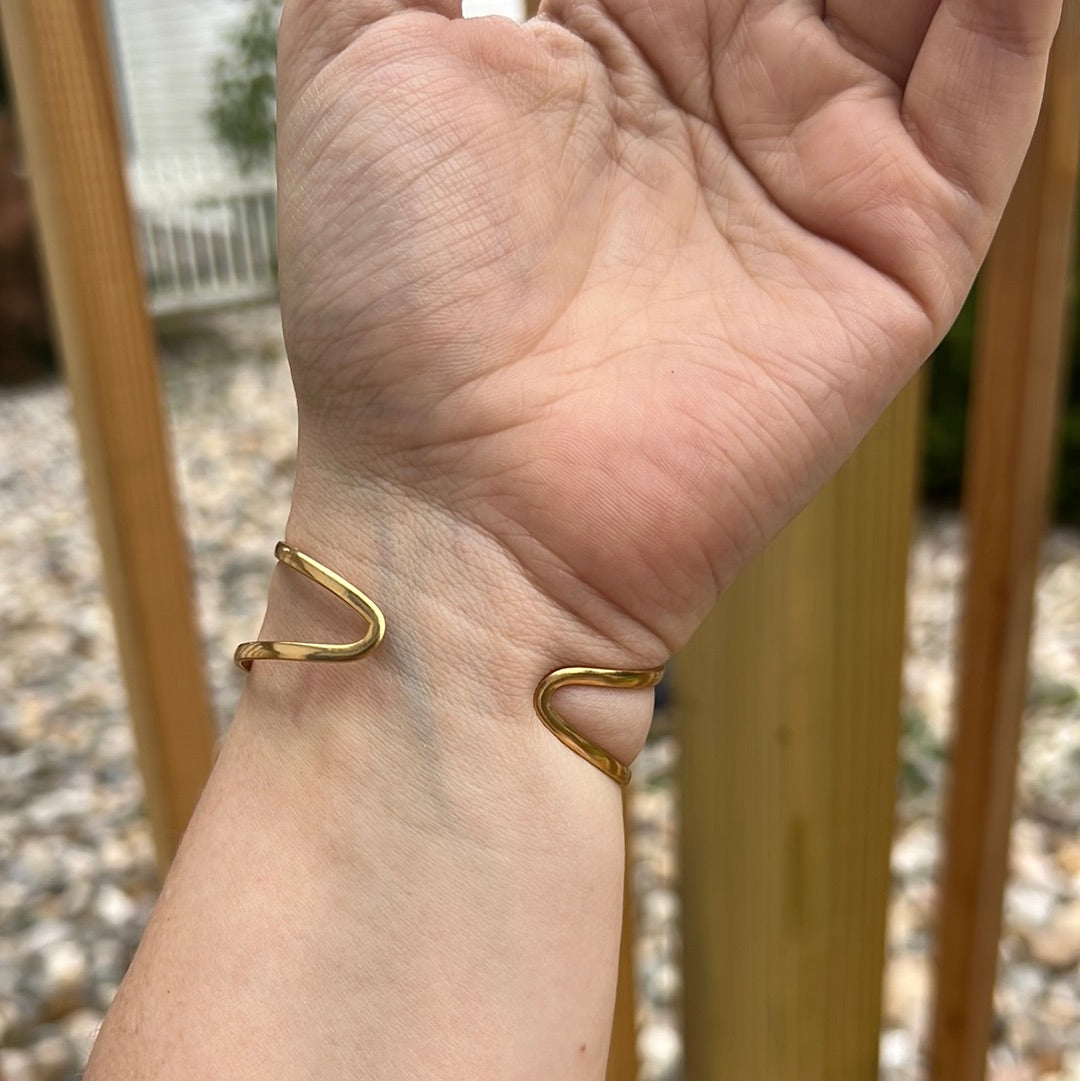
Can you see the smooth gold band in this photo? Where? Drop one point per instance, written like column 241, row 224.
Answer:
column 589, row 677
column 248, row 652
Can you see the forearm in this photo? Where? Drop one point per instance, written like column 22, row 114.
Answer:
column 396, row 871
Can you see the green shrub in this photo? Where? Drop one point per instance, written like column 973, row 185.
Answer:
column 242, row 115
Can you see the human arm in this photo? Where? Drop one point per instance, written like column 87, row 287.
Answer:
column 571, row 341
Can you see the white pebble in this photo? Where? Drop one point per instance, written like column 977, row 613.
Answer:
column 898, row 1050
column 113, row 906
column 660, row 1049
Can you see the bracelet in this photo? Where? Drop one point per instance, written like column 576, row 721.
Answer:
column 589, row 677
column 248, row 652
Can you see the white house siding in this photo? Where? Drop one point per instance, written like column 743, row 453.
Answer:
column 515, row 9
column 206, row 232
column 165, row 50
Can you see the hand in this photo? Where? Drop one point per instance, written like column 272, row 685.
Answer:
column 617, row 289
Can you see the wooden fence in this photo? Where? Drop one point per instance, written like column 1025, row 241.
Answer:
column 57, row 60
column 791, row 690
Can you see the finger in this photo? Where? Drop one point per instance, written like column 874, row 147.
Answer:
column 674, row 38
column 313, row 32
column 973, row 96
column 885, row 36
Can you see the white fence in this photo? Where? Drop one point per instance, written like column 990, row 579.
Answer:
column 207, row 234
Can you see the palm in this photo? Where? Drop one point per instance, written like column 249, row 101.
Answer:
column 622, row 286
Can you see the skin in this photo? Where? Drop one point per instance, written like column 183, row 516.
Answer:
column 580, row 313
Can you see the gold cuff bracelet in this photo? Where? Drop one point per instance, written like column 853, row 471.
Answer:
column 247, row 652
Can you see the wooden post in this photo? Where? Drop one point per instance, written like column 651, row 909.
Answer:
column 58, row 62
column 622, row 1057
column 789, row 699
column 1019, row 361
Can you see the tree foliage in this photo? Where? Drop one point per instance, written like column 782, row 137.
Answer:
column 243, row 114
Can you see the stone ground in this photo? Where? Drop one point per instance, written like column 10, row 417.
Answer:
column 77, row 878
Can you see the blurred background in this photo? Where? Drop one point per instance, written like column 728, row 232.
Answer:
column 194, row 89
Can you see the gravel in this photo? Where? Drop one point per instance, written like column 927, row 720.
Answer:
column 77, row 874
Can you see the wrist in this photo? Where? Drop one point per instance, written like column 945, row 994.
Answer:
column 469, row 634
column 379, row 834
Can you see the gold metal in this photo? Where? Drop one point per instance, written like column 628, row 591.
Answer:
column 589, row 677
column 247, row 652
